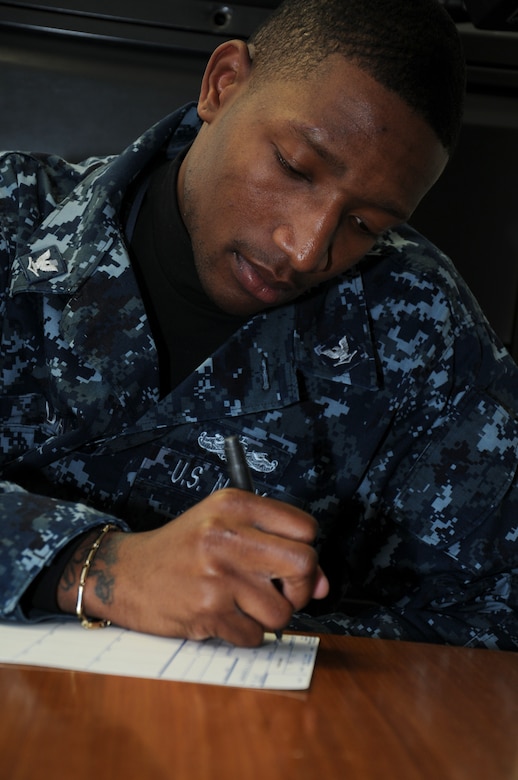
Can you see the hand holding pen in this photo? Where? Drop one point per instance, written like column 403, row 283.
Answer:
column 210, row 571
column 241, row 478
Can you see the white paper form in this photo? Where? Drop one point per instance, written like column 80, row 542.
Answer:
column 278, row 665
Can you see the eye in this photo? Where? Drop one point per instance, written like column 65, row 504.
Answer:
column 364, row 228
column 290, row 169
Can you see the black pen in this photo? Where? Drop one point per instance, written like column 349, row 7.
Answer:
column 241, row 478
column 237, row 466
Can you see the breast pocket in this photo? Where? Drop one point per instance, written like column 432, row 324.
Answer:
column 189, row 464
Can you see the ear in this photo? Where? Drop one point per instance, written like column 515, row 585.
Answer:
column 228, row 68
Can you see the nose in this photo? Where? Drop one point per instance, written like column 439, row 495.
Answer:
column 307, row 240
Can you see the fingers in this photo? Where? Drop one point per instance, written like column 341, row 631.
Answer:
column 270, row 515
column 232, row 625
column 249, row 543
column 321, row 588
column 245, row 619
column 242, row 551
column 291, row 564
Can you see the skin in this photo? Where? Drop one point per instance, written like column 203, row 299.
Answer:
column 288, row 184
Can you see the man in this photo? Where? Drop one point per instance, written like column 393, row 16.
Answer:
column 245, row 269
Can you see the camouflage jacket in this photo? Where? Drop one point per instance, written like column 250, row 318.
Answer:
column 381, row 403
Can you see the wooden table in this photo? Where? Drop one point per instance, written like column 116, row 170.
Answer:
column 376, row 710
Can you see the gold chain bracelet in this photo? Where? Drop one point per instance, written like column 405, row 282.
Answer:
column 86, row 622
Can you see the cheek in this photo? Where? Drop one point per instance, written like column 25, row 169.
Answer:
column 235, row 188
column 256, row 187
column 257, row 184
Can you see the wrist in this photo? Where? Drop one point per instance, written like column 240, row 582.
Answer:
column 89, row 565
column 87, row 583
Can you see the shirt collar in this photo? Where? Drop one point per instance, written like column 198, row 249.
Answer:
column 70, row 241
column 263, row 363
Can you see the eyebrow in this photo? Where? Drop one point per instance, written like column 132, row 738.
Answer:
column 309, row 136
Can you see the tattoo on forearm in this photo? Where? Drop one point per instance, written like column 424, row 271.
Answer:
column 101, row 571
column 70, row 576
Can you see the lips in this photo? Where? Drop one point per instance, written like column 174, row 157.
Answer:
column 259, row 282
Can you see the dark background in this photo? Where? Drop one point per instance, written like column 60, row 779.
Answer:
column 83, row 77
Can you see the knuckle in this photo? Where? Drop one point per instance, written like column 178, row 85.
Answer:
column 308, row 561
column 227, row 498
column 217, row 541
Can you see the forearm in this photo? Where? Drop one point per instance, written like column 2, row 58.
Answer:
column 208, row 573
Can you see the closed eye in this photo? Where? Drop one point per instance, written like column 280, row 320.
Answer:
column 364, row 228
column 290, row 169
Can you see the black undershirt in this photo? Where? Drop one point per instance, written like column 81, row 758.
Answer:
column 186, row 325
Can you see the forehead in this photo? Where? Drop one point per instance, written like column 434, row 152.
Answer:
column 337, row 96
column 338, row 109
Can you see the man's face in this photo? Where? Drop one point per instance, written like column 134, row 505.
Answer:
column 291, row 183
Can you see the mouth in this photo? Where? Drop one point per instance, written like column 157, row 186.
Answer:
column 259, row 282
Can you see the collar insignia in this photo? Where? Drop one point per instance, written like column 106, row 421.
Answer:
column 43, row 265
column 341, row 354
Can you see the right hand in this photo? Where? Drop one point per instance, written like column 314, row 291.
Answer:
column 211, row 572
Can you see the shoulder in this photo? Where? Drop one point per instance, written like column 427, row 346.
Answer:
column 414, row 290
column 31, row 186
column 405, row 267
column 425, row 325
column 46, row 176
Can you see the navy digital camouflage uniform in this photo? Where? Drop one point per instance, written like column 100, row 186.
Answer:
column 381, row 403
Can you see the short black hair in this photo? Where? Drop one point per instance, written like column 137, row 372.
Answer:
column 411, row 47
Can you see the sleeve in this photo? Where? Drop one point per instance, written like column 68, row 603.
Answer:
column 41, row 597
column 34, row 529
